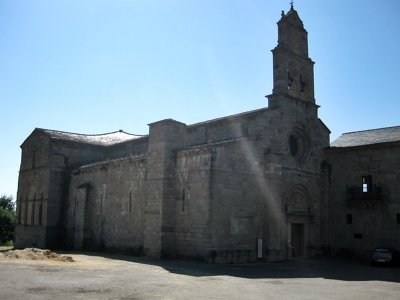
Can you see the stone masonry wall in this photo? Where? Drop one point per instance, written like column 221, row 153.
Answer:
column 110, row 213
column 192, row 182
column 224, row 129
column 64, row 156
column 256, row 183
column 363, row 221
column 165, row 139
column 33, row 193
column 239, row 212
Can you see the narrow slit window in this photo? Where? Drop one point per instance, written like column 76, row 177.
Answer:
column 289, row 80
column 101, row 203
column 75, row 201
column 33, row 214
column 41, row 210
column 302, row 85
column 40, row 214
column 398, row 218
column 26, row 212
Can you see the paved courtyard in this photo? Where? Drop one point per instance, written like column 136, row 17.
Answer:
column 123, row 277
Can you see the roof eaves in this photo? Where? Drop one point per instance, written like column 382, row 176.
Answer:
column 229, row 117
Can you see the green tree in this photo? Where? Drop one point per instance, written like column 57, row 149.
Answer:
column 7, row 219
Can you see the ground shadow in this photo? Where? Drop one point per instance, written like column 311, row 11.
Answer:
column 328, row 268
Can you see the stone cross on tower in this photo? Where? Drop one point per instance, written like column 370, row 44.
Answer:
column 291, row 5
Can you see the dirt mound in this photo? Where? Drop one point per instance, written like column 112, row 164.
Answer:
column 34, row 254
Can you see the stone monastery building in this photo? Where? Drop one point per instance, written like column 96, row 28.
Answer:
column 260, row 185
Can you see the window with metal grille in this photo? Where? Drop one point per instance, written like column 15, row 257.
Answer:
column 366, row 184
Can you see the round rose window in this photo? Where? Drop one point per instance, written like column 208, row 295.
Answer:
column 298, row 143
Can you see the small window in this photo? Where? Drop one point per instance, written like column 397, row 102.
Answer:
column 358, row 236
column 349, row 219
column 366, row 184
column 398, row 218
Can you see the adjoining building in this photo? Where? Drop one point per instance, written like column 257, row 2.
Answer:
column 361, row 191
column 260, row 185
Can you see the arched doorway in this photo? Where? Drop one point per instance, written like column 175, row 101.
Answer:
column 298, row 212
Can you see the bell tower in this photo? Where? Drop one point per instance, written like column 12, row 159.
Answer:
column 293, row 69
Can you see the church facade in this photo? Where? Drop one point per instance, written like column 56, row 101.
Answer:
column 260, row 185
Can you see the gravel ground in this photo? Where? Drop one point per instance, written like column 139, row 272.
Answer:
column 122, row 277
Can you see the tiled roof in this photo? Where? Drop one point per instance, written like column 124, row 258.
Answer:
column 368, row 137
column 243, row 114
column 106, row 139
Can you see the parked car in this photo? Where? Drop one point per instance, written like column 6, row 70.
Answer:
column 385, row 256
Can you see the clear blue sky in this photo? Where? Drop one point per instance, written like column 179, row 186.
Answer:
column 95, row 66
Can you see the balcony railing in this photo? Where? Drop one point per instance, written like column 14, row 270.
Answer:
column 357, row 193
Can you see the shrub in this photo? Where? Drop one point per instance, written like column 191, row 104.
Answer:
column 7, row 219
